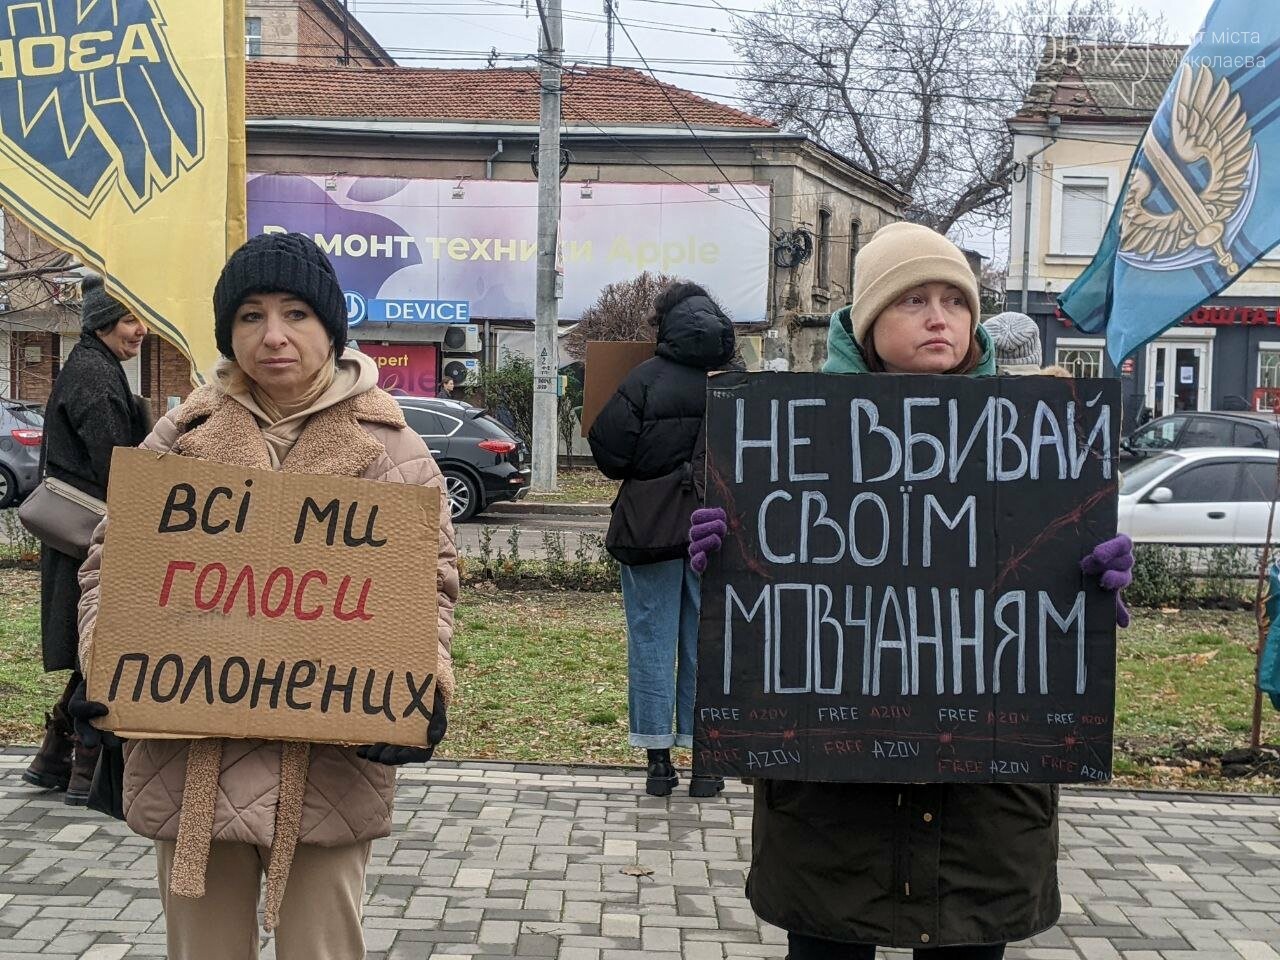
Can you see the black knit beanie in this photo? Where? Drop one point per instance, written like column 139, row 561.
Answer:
column 280, row 263
column 98, row 309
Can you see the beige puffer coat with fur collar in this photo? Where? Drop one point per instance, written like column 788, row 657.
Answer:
column 264, row 792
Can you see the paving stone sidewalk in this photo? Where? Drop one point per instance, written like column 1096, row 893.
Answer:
column 500, row 860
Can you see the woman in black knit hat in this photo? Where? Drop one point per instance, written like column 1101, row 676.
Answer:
column 285, row 396
column 91, row 411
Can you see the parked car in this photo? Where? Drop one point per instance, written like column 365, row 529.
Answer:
column 1181, row 431
column 21, row 434
column 1207, row 496
column 482, row 461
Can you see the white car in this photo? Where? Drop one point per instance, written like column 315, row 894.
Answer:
column 1205, row 496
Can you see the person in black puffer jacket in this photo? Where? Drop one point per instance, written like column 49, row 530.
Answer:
column 90, row 412
column 651, row 427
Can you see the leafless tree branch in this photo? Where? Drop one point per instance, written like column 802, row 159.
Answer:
column 917, row 91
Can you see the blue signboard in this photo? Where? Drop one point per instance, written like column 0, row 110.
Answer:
column 405, row 311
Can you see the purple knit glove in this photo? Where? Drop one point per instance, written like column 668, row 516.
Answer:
column 707, row 529
column 1112, row 562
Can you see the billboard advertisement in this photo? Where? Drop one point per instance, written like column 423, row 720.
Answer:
column 404, row 369
column 444, row 251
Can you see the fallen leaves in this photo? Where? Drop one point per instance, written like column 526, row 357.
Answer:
column 1195, row 659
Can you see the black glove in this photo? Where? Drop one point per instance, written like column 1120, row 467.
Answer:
column 82, row 711
column 393, row 755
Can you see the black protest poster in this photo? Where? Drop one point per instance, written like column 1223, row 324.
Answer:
column 899, row 597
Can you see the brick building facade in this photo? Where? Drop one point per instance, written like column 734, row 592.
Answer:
column 318, row 32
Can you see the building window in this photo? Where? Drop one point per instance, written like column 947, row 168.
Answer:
column 1082, row 358
column 252, row 37
column 855, row 241
column 824, row 249
column 1084, row 216
column 1269, row 368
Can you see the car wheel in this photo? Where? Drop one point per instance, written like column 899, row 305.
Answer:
column 8, row 488
column 463, row 493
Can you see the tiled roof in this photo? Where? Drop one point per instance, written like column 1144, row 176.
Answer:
column 1111, row 83
column 607, row 96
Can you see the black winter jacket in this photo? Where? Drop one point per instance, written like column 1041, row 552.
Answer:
column 651, row 425
column 91, row 411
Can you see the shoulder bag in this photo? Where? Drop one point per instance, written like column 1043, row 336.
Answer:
column 650, row 518
column 62, row 516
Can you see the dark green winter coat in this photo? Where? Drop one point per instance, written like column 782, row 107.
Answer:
column 911, row 865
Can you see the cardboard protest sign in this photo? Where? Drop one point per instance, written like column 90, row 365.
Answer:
column 899, row 598
column 606, row 366
column 251, row 603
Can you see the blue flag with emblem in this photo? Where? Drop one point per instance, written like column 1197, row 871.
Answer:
column 1201, row 202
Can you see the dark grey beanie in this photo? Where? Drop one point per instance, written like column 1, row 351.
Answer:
column 280, row 263
column 99, row 311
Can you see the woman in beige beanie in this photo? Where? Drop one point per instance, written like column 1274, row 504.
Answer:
column 915, row 309
column 953, row 870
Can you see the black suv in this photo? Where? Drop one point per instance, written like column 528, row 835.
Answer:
column 482, row 460
column 1180, row 431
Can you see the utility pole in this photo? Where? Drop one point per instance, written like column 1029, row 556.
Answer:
column 608, row 16
column 546, row 353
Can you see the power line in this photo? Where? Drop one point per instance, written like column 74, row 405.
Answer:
column 903, row 24
column 713, row 96
column 970, row 127
column 414, row 7
column 667, row 94
column 430, row 53
column 758, row 101
column 657, row 166
column 985, row 71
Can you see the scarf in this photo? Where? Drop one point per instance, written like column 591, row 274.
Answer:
column 282, row 423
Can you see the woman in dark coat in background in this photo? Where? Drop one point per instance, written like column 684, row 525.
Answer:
column 649, row 428
column 91, row 411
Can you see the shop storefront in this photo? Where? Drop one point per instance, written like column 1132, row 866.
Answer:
column 405, row 369
column 1222, row 356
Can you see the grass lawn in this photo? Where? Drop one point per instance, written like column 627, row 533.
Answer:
column 580, row 485
column 26, row 691
column 544, row 678
column 1184, row 685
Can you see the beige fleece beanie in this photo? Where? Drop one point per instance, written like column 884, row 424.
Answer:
column 901, row 256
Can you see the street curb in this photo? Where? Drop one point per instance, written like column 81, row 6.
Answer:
column 527, row 508
column 554, row 767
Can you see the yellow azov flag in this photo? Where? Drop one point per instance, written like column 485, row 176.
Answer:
column 122, row 142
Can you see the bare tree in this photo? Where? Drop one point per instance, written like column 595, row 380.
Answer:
column 33, row 269
column 916, row 91
column 621, row 312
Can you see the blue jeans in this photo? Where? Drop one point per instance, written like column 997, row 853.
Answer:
column 661, row 601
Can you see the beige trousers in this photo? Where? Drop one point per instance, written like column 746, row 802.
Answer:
column 319, row 918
